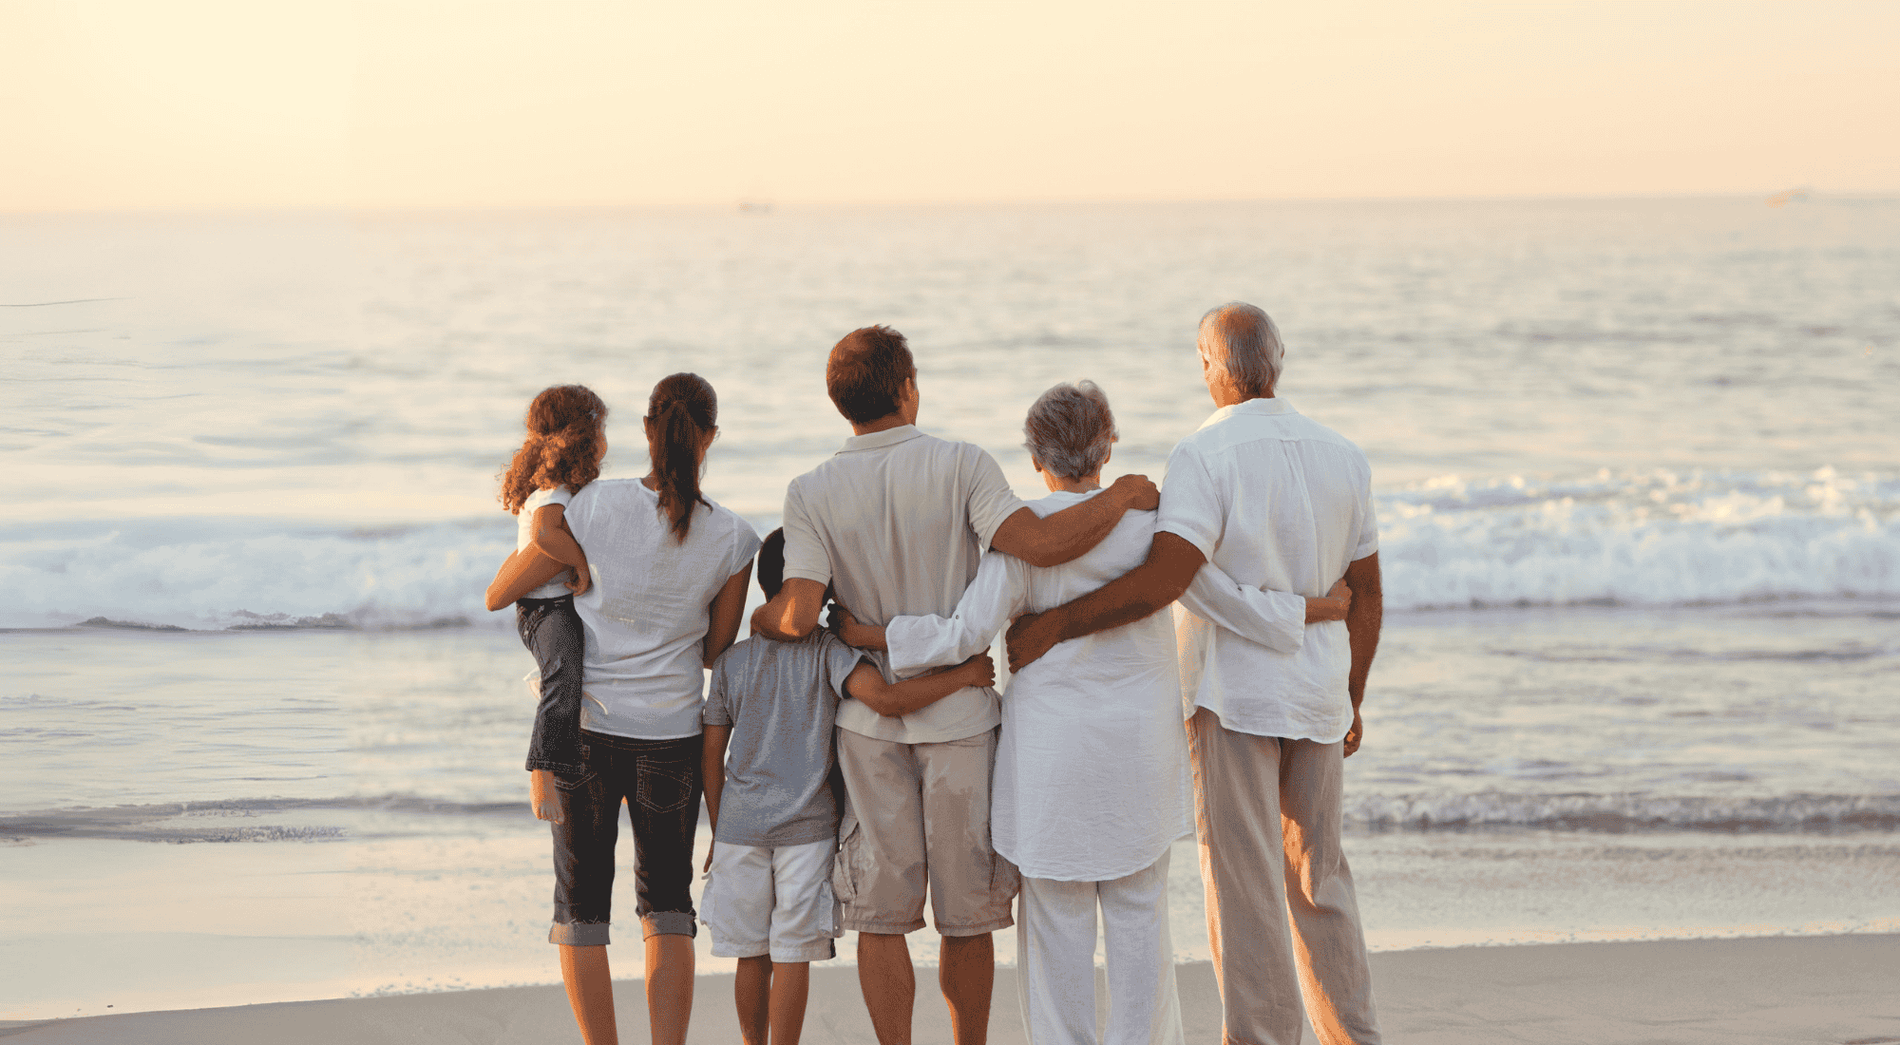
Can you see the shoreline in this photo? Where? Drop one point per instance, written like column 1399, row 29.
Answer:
column 1753, row 989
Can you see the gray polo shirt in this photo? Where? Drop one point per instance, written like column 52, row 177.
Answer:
column 780, row 698
column 898, row 521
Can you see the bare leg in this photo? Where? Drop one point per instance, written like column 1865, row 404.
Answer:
column 590, row 990
column 967, row 974
column 669, row 987
column 889, row 984
column 791, row 985
column 751, row 995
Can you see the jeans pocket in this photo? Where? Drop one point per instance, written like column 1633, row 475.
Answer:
column 663, row 788
column 574, row 781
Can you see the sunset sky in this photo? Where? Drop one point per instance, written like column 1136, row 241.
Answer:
column 206, row 104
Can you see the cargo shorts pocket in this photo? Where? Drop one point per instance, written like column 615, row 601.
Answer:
column 830, row 911
column 844, row 880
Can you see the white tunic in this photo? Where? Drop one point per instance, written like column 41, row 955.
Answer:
column 1092, row 767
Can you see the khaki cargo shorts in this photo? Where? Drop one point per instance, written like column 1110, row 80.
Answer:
column 919, row 815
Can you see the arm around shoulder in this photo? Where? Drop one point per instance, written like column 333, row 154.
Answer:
column 1158, row 581
column 1054, row 539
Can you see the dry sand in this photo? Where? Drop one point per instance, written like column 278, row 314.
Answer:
column 1837, row 989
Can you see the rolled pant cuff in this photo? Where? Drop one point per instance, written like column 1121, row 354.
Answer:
column 579, row 934
column 822, row 950
column 669, row 923
column 976, row 930
column 869, row 925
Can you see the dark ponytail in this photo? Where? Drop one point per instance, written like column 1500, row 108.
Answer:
column 680, row 412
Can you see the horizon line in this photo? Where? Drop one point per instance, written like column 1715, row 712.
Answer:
column 764, row 204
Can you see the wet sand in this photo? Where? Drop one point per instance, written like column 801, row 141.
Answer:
column 1836, row 989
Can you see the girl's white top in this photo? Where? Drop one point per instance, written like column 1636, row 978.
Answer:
column 524, row 535
column 1092, row 768
column 646, row 615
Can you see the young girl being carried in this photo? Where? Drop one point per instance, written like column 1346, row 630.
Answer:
column 566, row 441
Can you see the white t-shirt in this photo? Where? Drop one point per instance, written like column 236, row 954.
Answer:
column 1281, row 502
column 646, row 615
column 897, row 522
column 524, row 535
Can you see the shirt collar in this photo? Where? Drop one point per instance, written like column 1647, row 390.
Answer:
column 1257, row 407
column 879, row 440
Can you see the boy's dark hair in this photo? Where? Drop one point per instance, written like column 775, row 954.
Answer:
column 867, row 371
column 772, row 563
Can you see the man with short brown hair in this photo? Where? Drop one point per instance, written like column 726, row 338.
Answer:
column 897, row 522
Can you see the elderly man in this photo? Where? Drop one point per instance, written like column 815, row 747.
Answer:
column 897, row 522
column 1277, row 501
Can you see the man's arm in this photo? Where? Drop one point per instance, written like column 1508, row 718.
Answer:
column 866, row 684
column 520, row 573
column 1159, row 580
column 793, row 612
column 1362, row 631
column 1052, row 540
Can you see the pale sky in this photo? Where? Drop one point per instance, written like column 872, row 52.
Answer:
column 215, row 104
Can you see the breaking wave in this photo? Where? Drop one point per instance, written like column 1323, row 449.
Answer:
column 1641, row 539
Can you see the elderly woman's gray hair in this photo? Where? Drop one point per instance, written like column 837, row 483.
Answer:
column 1070, row 429
column 1243, row 343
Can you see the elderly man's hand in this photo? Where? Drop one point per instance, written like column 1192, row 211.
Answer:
column 1334, row 606
column 1030, row 636
column 1354, row 735
column 1136, row 492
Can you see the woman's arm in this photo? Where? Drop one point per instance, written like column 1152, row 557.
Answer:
column 866, row 684
column 520, row 573
column 999, row 592
column 727, row 607
column 551, row 537
column 1274, row 619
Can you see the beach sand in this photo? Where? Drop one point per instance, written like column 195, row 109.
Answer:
column 1837, row 989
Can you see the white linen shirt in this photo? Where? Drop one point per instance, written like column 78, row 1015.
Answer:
column 1092, row 767
column 1282, row 502
column 897, row 522
column 645, row 618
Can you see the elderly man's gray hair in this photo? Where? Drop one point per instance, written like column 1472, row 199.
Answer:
column 1242, row 341
column 1070, row 430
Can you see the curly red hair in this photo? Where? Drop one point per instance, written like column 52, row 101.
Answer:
column 567, row 437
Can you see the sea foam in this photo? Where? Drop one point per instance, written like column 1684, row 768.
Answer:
column 1653, row 538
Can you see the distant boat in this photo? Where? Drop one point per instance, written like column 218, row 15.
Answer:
column 755, row 207
column 1794, row 195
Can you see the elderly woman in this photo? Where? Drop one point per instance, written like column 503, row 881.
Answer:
column 1091, row 786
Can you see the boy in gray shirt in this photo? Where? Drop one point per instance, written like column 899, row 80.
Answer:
column 768, row 899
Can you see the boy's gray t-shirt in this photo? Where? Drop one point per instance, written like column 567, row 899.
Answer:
column 781, row 700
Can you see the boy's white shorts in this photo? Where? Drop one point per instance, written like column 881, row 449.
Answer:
column 775, row 901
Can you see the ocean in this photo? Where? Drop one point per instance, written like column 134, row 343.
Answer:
column 1635, row 462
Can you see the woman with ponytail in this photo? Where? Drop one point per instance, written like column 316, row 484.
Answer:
column 670, row 569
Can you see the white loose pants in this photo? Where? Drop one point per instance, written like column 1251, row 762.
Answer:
column 1055, row 960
